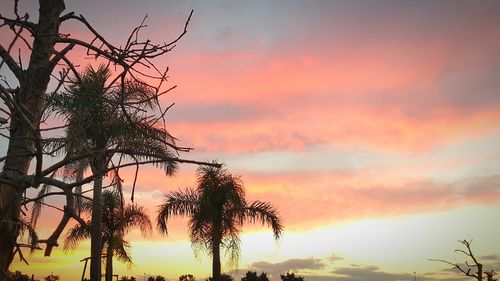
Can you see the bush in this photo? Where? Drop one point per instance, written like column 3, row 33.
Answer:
column 52, row 277
column 19, row 276
column 291, row 277
column 187, row 277
column 252, row 276
column 125, row 278
column 222, row 277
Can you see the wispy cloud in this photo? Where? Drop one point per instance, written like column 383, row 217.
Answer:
column 289, row 265
column 370, row 272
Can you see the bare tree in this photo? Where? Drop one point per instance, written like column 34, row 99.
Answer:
column 24, row 91
column 472, row 269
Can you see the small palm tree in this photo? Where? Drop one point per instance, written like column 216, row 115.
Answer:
column 217, row 210
column 117, row 221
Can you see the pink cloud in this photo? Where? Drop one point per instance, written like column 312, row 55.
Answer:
column 316, row 199
column 402, row 94
column 386, row 129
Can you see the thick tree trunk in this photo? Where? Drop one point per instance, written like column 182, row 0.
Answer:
column 32, row 88
column 109, row 263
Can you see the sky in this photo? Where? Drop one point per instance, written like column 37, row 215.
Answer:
column 372, row 126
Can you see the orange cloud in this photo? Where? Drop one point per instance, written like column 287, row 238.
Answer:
column 384, row 128
column 391, row 95
column 311, row 200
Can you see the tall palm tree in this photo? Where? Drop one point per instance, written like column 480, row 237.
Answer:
column 217, row 210
column 117, row 221
column 101, row 117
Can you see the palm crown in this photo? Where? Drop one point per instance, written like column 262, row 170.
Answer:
column 217, row 210
column 117, row 221
column 100, row 116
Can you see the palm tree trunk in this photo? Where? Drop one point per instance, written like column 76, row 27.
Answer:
column 216, row 266
column 109, row 263
column 216, row 241
column 95, row 231
column 32, row 87
column 98, row 165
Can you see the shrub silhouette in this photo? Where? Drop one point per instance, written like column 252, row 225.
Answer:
column 291, row 277
column 222, row 277
column 252, row 276
column 187, row 277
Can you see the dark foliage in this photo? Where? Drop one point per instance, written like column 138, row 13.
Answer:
column 126, row 278
column 252, row 276
column 291, row 277
column 19, row 276
column 52, row 277
column 187, row 277
column 222, row 277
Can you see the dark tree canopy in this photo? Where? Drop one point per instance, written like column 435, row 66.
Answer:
column 252, row 276
column 19, row 276
column 187, row 277
column 291, row 277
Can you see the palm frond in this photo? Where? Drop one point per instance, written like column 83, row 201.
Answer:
column 200, row 234
column 136, row 217
column 139, row 93
column 55, row 146
column 79, row 173
column 232, row 246
column 76, row 235
column 28, row 228
column 209, row 177
column 38, row 204
column 178, row 203
column 266, row 214
column 122, row 252
column 149, row 143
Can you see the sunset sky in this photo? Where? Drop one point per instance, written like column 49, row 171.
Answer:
column 372, row 126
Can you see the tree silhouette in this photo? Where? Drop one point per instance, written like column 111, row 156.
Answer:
column 217, row 210
column 126, row 278
column 252, row 276
column 187, row 277
column 52, row 277
column 157, row 278
column 291, row 277
column 222, row 277
column 19, row 276
column 117, row 221
column 23, row 93
column 467, row 267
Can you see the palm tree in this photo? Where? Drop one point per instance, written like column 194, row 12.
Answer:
column 102, row 117
column 217, row 210
column 117, row 221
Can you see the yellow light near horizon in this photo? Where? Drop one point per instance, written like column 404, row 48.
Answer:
column 402, row 244
column 169, row 259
